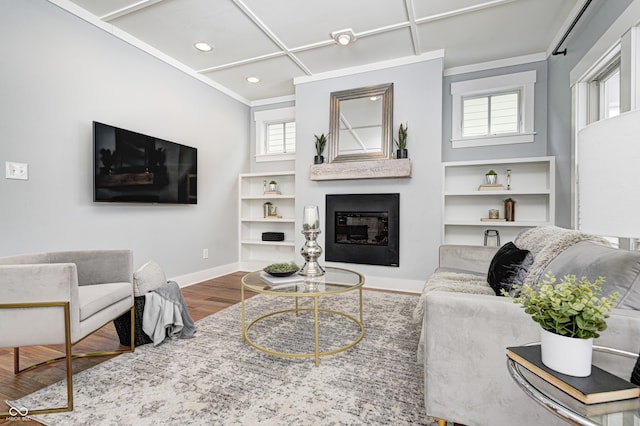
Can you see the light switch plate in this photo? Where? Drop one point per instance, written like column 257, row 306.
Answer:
column 16, row 170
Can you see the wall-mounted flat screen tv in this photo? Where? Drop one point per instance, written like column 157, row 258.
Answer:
column 136, row 168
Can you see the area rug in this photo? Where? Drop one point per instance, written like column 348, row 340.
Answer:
column 216, row 379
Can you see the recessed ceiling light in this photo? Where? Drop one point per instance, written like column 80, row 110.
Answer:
column 253, row 80
column 343, row 37
column 203, row 46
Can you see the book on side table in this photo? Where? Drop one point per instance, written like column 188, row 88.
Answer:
column 600, row 386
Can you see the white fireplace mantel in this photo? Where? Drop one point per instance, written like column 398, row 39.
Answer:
column 370, row 169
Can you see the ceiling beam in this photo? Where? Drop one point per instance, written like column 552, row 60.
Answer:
column 143, row 4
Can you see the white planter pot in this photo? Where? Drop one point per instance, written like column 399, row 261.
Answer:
column 566, row 355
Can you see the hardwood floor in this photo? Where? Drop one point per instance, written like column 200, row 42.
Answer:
column 202, row 299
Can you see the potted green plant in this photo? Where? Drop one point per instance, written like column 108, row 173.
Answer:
column 321, row 142
column 491, row 177
column 571, row 314
column 401, row 142
column 273, row 186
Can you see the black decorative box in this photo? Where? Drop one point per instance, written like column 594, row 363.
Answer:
column 273, row 236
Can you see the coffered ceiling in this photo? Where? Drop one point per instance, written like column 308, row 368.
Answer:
column 279, row 40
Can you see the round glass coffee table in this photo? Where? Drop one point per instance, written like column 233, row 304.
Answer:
column 619, row 413
column 334, row 281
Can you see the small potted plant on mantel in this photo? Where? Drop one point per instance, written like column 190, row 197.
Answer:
column 571, row 313
column 321, row 142
column 401, row 142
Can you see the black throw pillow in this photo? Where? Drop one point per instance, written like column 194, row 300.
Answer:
column 635, row 376
column 509, row 267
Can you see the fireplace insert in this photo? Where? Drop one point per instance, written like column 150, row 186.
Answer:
column 363, row 228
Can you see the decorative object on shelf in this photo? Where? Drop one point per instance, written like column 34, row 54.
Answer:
column 321, row 142
column 281, row 269
column 508, row 179
column 311, row 250
column 273, row 236
column 494, row 213
column 269, row 209
column 571, row 313
column 401, row 142
column 273, row 186
column 510, row 209
column 492, row 238
column 491, row 177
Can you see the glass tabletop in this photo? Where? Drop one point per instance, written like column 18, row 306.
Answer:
column 616, row 413
column 335, row 280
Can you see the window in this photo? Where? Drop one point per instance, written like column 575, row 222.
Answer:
column 281, row 137
column 275, row 134
column 493, row 111
column 491, row 115
column 604, row 91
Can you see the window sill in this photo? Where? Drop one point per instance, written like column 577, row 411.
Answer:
column 492, row 140
column 263, row 158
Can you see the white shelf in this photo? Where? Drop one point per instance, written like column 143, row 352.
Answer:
column 463, row 204
column 255, row 253
column 269, row 243
column 266, row 220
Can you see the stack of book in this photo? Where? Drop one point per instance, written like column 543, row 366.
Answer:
column 600, row 386
column 491, row 187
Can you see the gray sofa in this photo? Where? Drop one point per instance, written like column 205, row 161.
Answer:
column 465, row 332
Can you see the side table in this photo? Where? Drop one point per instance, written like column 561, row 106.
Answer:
column 618, row 413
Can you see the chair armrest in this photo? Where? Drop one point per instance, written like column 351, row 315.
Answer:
column 466, row 257
column 38, row 283
column 98, row 266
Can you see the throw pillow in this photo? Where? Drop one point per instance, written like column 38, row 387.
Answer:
column 509, row 267
column 147, row 278
column 635, row 375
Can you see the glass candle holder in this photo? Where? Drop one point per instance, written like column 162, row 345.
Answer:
column 310, row 218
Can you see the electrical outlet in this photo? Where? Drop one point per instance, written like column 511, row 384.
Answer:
column 16, row 170
column 205, row 253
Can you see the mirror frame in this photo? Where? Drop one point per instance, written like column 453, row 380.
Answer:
column 386, row 142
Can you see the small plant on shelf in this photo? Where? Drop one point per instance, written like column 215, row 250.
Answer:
column 321, row 142
column 401, row 142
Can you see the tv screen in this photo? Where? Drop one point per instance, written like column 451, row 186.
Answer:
column 132, row 167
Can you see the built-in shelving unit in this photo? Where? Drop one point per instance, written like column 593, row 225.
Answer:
column 255, row 253
column 532, row 188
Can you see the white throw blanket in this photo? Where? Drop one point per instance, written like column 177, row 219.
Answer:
column 547, row 242
column 166, row 314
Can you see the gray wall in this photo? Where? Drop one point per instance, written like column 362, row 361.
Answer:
column 591, row 27
column 533, row 149
column 418, row 102
column 60, row 73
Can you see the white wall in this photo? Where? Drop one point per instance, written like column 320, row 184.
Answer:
column 60, row 73
column 418, row 102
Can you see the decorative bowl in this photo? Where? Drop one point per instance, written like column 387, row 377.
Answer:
column 281, row 269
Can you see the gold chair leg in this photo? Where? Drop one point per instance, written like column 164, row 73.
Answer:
column 16, row 411
column 442, row 422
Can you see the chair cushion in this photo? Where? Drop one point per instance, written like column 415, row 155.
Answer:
column 508, row 267
column 147, row 278
column 94, row 298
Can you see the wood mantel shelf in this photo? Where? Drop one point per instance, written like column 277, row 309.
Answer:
column 372, row 169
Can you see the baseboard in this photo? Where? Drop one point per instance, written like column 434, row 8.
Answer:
column 377, row 283
column 206, row 274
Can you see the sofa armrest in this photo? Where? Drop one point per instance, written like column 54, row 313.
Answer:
column 465, row 340
column 466, row 257
column 465, row 371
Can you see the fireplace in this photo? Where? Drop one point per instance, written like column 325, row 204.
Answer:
column 363, row 228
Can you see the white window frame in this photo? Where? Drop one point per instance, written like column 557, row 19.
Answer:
column 524, row 82
column 262, row 119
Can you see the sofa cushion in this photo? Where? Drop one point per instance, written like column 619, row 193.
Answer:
column 620, row 268
column 508, row 267
column 94, row 298
column 147, row 278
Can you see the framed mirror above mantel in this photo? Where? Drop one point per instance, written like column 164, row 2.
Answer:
column 361, row 136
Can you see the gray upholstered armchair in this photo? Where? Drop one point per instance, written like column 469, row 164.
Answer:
column 60, row 298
